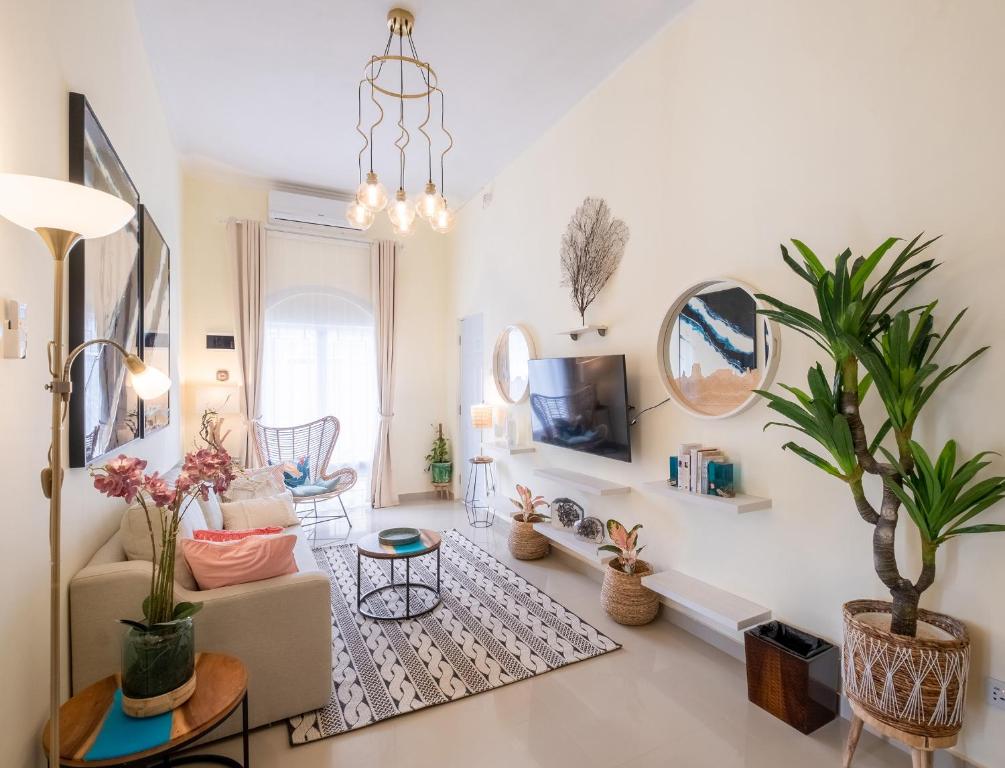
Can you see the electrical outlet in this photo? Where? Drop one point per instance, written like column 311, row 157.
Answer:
column 996, row 693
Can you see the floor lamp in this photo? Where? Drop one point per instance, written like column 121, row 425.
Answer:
column 62, row 214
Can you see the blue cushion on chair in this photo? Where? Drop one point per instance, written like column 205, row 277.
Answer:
column 296, row 481
column 325, row 486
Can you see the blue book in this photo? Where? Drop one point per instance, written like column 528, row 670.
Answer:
column 673, row 471
column 720, row 479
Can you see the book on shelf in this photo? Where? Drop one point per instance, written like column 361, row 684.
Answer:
column 707, row 458
column 684, row 456
column 697, row 457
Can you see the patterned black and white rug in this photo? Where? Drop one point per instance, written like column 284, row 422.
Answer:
column 492, row 629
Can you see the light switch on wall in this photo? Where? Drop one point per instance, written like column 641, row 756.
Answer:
column 13, row 316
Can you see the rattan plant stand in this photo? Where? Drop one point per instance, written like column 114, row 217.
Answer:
column 912, row 689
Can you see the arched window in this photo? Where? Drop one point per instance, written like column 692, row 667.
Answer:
column 318, row 351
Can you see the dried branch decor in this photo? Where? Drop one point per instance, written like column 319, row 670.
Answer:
column 592, row 247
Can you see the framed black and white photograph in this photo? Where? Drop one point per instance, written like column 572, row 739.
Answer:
column 104, row 301
column 155, row 275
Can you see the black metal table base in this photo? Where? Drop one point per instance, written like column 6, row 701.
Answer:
column 408, row 584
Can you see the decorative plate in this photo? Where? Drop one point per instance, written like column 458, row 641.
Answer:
column 567, row 511
column 590, row 529
column 398, row 537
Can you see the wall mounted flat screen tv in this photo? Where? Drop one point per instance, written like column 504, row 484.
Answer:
column 581, row 403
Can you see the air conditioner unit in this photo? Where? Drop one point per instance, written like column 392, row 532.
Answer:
column 298, row 208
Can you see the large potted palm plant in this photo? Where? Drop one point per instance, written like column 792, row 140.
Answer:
column 903, row 665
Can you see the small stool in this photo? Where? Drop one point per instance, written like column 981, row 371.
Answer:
column 442, row 490
column 922, row 747
column 480, row 513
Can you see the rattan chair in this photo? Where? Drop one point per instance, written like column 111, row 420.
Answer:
column 316, row 441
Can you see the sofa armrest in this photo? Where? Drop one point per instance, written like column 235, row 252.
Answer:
column 280, row 628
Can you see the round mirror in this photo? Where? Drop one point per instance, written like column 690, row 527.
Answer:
column 514, row 350
column 714, row 349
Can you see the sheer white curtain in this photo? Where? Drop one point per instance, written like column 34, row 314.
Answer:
column 318, row 351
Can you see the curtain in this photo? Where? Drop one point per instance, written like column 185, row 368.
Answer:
column 318, row 348
column 246, row 243
column 383, row 258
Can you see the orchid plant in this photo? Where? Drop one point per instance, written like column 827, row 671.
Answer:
column 624, row 545
column 124, row 478
column 528, row 504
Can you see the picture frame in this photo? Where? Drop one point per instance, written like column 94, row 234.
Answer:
column 104, row 301
column 155, row 317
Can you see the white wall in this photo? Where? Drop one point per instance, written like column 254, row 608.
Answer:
column 421, row 344
column 738, row 126
column 48, row 48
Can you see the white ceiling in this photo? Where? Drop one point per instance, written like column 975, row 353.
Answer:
column 268, row 87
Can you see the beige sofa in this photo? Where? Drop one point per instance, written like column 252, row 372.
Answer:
column 280, row 628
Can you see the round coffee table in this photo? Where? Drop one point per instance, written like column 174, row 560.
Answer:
column 370, row 546
column 221, row 687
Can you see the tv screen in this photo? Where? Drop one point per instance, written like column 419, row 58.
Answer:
column 581, row 403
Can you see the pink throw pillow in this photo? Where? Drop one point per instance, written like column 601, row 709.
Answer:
column 222, row 564
column 211, row 534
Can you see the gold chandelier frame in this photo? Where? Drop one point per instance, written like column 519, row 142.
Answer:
column 400, row 24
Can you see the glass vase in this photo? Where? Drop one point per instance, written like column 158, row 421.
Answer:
column 158, row 660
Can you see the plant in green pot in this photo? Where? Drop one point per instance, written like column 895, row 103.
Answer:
column 905, row 666
column 158, row 653
column 622, row 595
column 438, row 462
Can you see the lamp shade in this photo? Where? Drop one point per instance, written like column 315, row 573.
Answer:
column 148, row 382
column 481, row 416
column 34, row 201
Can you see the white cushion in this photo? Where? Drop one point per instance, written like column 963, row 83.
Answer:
column 259, row 513
column 256, row 483
column 135, row 536
column 211, row 510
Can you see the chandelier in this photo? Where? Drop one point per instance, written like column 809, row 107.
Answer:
column 397, row 79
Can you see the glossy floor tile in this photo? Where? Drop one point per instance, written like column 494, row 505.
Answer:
column 665, row 699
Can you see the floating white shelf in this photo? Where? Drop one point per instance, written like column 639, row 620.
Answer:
column 718, row 605
column 575, row 333
column 512, row 450
column 567, row 541
column 739, row 503
column 585, row 483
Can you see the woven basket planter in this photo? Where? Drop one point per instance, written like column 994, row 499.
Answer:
column 915, row 684
column 524, row 542
column 625, row 599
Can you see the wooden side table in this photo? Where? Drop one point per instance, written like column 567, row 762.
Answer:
column 221, row 686
column 370, row 546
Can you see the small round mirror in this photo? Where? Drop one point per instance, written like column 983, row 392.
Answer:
column 513, row 352
column 714, row 349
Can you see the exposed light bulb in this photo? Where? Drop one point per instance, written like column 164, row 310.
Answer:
column 359, row 215
column 401, row 213
column 148, row 382
column 431, row 202
column 372, row 193
column 443, row 221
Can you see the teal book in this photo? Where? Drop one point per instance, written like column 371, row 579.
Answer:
column 720, row 479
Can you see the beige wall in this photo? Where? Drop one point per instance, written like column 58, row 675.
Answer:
column 421, row 339
column 741, row 125
column 48, row 48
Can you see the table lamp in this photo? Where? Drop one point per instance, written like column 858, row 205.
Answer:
column 481, row 419
column 63, row 213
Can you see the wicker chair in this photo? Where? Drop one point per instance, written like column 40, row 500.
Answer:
column 316, row 441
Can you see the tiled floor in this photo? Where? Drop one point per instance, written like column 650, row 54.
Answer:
column 665, row 699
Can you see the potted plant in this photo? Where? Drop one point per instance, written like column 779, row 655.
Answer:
column 623, row 596
column 524, row 542
column 905, row 666
column 158, row 653
column 438, row 462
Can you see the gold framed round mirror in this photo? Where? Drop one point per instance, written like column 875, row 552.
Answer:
column 513, row 352
column 714, row 349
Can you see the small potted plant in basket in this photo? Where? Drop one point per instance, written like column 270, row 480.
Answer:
column 524, row 542
column 158, row 653
column 623, row 596
column 438, row 462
